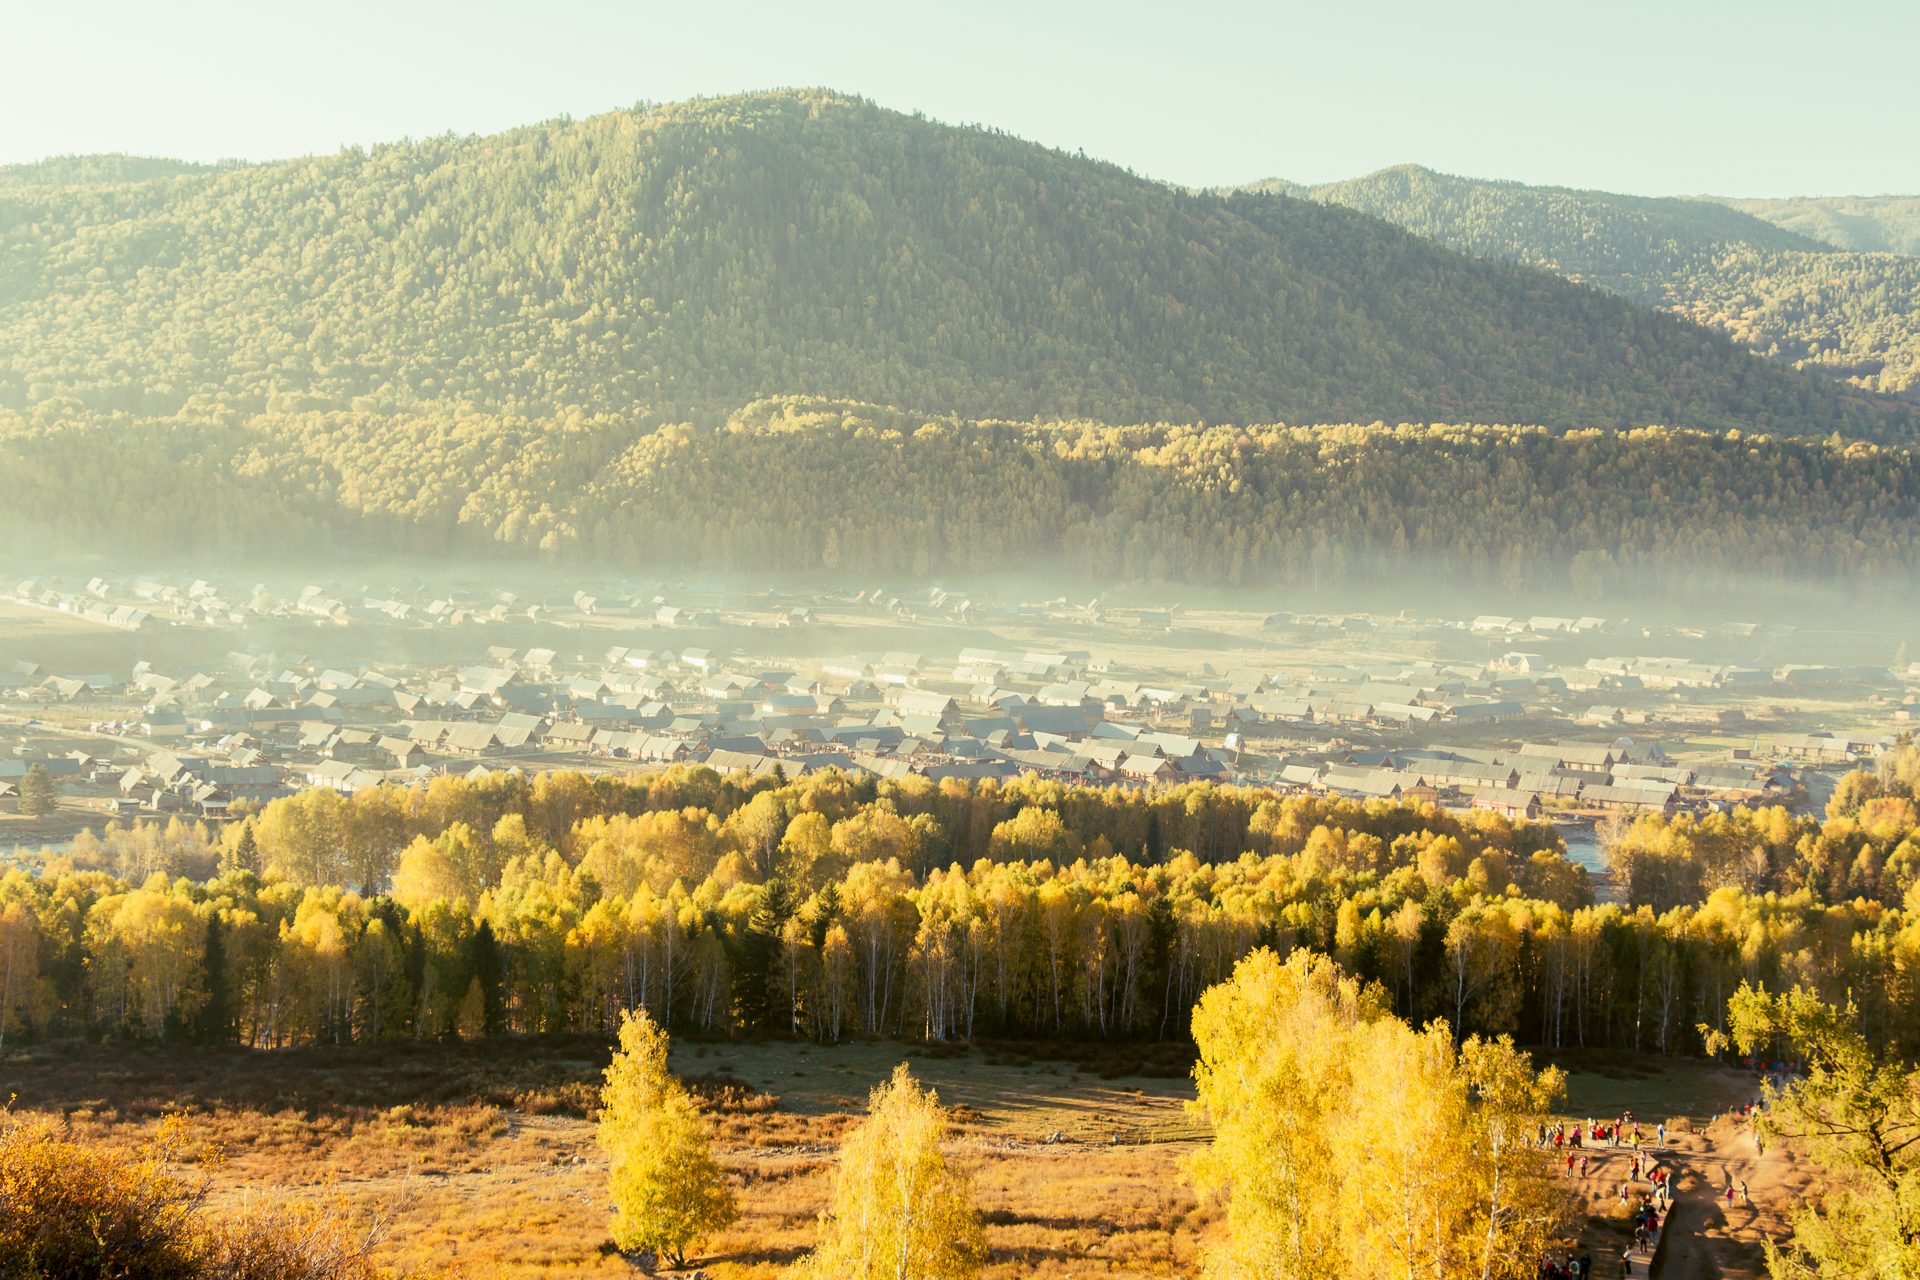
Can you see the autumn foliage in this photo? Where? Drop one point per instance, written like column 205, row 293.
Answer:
column 1354, row 1145
column 897, row 1211
column 668, row 1192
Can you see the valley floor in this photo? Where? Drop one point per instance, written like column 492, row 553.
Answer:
column 478, row 1160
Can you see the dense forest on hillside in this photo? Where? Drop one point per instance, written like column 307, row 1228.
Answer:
column 97, row 170
column 1626, row 244
column 846, row 489
column 1865, row 224
column 838, row 907
column 1851, row 316
column 684, row 260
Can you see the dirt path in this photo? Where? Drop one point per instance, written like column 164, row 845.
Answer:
column 1705, row 1237
column 1714, row 1237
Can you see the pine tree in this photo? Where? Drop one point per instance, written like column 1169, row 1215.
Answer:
column 216, row 1008
column 896, row 1210
column 245, row 853
column 757, row 961
column 1855, row 1108
column 487, row 969
column 668, row 1192
column 37, row 795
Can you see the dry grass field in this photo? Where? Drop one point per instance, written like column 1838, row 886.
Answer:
column 483, row 1155
column 480, row 1161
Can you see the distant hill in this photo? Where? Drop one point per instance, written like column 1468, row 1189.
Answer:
column 96, row 170
column 1854, row 317
column 691, row 258
column 853, row 492
column 1630, row 245
column 1865, row 224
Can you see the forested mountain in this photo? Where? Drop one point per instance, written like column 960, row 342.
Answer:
column 848, row 490
column 1851, row 316
column 690, row 258
column 96, row 170
column 1866, row 224
column 1631, row 245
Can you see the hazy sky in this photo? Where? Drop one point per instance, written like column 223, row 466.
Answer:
column 1756, row 98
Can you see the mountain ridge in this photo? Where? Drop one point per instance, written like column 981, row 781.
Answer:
column 1849, row 316
column 803, row 242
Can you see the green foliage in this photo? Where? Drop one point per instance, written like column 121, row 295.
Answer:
column 1853, row 316
column 107, row 169
column 484, row 958
column 1624, row 244
column 1017, row 909
column 695, row 256
column 216, row 1004
column 1857, row 1107
column 668, row 1192
column 1865, row 224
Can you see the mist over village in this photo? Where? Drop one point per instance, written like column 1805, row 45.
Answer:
column 611, row 668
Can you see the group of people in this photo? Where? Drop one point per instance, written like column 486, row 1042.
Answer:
column 1648, row 1187
column 1568, row 1267
column 1646, row 1224
column 1622, row 1132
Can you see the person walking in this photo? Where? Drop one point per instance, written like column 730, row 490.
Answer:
column 1661, row 1130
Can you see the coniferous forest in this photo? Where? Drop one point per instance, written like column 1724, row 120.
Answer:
column 1847, row 308
column 804, row 243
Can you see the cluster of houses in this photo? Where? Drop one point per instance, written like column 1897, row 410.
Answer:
column 89, row 601
column 1526, row 780
column 252, row 725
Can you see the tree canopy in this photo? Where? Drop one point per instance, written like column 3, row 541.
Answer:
column 932, row 910
column 852, row 489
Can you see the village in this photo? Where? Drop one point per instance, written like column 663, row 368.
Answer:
column 1492, row 712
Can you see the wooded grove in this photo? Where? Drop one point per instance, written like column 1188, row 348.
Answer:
column 836, row 908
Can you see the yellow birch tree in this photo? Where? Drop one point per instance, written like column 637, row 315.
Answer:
column 668, row 1192
column 896, row 1210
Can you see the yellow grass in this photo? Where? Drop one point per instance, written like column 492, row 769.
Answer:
column 489, row 1151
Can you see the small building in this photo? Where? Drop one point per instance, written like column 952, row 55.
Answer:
column 1509, row 804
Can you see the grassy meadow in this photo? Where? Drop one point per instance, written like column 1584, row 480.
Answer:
column 479, row 1160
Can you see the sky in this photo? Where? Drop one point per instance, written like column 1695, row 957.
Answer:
column 1751, row 99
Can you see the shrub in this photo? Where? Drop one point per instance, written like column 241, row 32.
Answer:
column 68, row 1210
